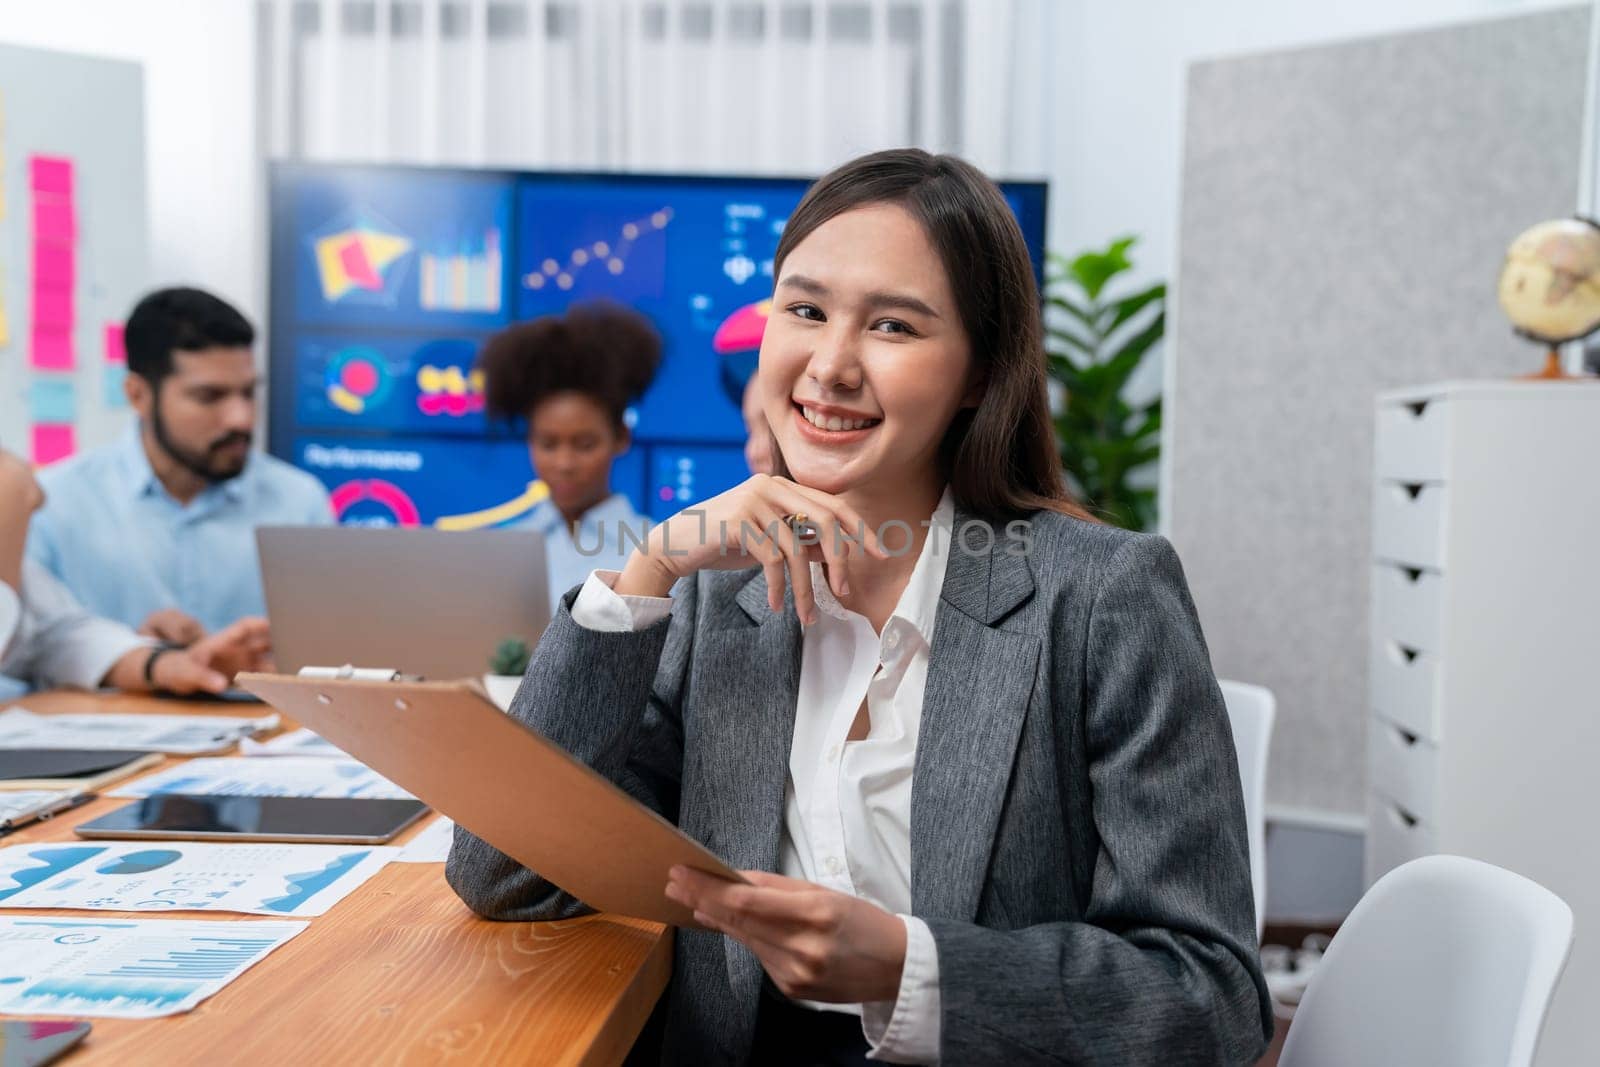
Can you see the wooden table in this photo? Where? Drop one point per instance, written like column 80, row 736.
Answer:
column 397, row 972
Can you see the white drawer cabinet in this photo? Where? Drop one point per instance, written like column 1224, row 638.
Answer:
column 1408, row 523
column 1405, row 687
column 1395, row 835
column 1412, row 438
column 1408, row 606
column 1484, row 679
column 1404, row 766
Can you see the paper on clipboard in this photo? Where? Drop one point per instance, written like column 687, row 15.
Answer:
column 448, row 744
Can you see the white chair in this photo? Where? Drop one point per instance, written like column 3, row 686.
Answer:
column 1445, row 960
column 1251, row 710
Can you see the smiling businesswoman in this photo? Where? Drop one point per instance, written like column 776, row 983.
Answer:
column 973, row 756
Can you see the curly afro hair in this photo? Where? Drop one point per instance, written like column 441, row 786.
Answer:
column 604, row 351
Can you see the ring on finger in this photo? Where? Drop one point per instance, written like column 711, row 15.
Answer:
column 800, row 523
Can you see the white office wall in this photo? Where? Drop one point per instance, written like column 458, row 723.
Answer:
column 1117, row 95
column 203, row 166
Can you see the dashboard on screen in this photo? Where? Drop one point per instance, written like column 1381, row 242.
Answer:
column 386, row 281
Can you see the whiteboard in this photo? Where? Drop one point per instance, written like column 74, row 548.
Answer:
column 83, row 117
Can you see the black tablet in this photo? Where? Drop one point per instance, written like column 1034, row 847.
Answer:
column 30, row 763
column 307, row 820
column 227, row 696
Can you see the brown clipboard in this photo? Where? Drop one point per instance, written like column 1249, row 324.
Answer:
column 523, row 794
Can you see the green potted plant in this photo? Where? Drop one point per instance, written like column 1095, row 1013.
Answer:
column 1095, row 341
column 506, row 667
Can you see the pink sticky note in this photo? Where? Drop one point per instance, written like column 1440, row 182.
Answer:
column 53, row 265
column 50, row 349
column 54, row 220
column 52, row 308
column 50, row 174
column 116, row 349
column 53, row 441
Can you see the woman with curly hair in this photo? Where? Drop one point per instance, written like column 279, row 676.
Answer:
column 573, row 377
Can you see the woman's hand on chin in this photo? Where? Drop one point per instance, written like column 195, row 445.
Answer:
column 747, row 525
column 816, row 943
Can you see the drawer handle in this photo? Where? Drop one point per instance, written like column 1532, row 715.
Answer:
column 1405, row 654
column 1413, row 575
column 1404, row 736
column 1403, row 818
column 1417, row 407
column 1400, row 491
column 1404, row 492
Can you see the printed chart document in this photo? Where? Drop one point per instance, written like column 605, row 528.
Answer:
column 180, row 735
column 256, row 879
column 432, row 845
column 127, row 969
column 247, row 776
column 300, row 742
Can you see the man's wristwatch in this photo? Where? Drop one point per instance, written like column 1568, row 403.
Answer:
column 150, row 661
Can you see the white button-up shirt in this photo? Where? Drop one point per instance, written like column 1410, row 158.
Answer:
column 47, row 638
column 847, row 804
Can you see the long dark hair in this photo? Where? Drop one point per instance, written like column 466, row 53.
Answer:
column 1000, row 457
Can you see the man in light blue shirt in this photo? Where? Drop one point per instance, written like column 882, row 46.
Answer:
column 157, row 529
column 48, row 640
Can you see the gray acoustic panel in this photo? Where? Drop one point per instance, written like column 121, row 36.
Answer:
column 1345, row 212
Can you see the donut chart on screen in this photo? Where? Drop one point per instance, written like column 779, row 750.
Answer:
column 737, row 344
column 357, row 379
column 383, row 495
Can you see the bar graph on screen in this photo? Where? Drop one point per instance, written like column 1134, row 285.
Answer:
column 464, row 278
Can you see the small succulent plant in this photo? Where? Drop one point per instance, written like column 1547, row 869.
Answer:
column 510, row 657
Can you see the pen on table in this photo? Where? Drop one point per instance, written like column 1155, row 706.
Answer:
column 246, row 729
column 77, row 800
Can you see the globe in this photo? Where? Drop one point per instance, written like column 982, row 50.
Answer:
column 1550, row 283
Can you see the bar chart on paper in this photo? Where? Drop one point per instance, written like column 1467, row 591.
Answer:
column 131, row 970
column 287, row 776
column 259, row 879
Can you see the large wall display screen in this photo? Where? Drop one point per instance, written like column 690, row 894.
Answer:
column 386, row 280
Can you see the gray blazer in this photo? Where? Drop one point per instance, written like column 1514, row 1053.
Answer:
column 1078, row 842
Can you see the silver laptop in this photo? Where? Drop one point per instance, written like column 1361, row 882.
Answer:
column 430, row 602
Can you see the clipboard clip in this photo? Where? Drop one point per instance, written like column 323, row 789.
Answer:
column 358, row 674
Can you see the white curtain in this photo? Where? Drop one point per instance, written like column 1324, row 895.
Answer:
column 762, row 86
